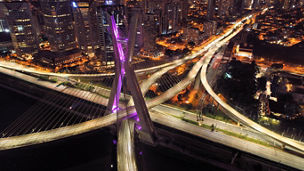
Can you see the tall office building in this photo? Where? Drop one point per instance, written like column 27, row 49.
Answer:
column 165, row 15
column 82, row 24
column 19, row 17
column 210, row 10
column 236, row 7
column 138, row 6
column 247, row 4
column 101, row 35
column 171, row 16
column 3, row 25
column 58, row 24
column 225, row 7
column 210, row 28
column 285, row 4
column 289, row 4
column 256, row 4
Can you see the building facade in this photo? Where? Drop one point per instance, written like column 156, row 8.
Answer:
column 211, row 9
column 101, row 35
column 20, row 20
column 82, row 25
column 58, row 24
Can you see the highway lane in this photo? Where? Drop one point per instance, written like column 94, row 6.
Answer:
column 63, row 89
column 272, row 154
column 103, row 101
column 58, row 133
column 23, row 68
column 68, row 131
column 179, row 113
column 240, row 117
column 193, row 72
column 126, row 159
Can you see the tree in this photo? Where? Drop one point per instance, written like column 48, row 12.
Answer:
column 261, row 83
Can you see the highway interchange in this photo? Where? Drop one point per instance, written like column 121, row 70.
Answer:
column 208, row 50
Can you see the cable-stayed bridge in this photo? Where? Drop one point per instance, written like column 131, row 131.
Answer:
column 85, row 109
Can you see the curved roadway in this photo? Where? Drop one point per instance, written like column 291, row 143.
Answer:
column 41, row 137
column 240, row 117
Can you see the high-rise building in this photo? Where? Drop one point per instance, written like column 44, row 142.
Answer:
column 58, row 24
column 101, row 35
column 3, row 25
column 256, row 4
column 210, row 28
column 285, row 4
column 236, row 7
column 165, row 15
column 225, row 7
column 138, row 6
column 82, row 25
column 289, row 4
column 171, row 16
column 210, row 10
column 20, row 20
column 247, row 4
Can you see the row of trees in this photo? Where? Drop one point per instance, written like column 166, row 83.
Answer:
column 239, row 84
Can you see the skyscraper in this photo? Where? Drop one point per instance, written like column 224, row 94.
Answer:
column 137, row 5
column 101, row 35
column 285, row 4
column 224, row 7
column 256, row 4
column 210, row 10
column 19, row 17
column 247, row 4
column 3, row 23
column 58, row 24
column 82, row 25
column 170, row 18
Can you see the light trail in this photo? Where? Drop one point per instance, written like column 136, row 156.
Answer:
column 231, row 112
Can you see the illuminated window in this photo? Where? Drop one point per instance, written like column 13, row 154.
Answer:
column 20, row 28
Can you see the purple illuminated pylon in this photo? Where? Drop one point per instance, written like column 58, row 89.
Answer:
column 122, row 60
column 124, row 73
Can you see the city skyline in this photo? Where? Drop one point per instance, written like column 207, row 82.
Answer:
column 215, row 84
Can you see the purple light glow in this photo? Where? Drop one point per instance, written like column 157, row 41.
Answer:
column 115, row 108
column 138, row 127
column 120, row 51
column 109, row 2
column 122, row 60
column 114, row 27
column 114, row 142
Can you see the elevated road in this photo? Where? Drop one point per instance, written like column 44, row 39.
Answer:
column 126, row 159
column 211, row 46
column 46, row 136
column 272, row 154
column 234, row 114
column 22, row 68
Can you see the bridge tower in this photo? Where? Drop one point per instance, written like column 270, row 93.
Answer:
column 124, row 74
